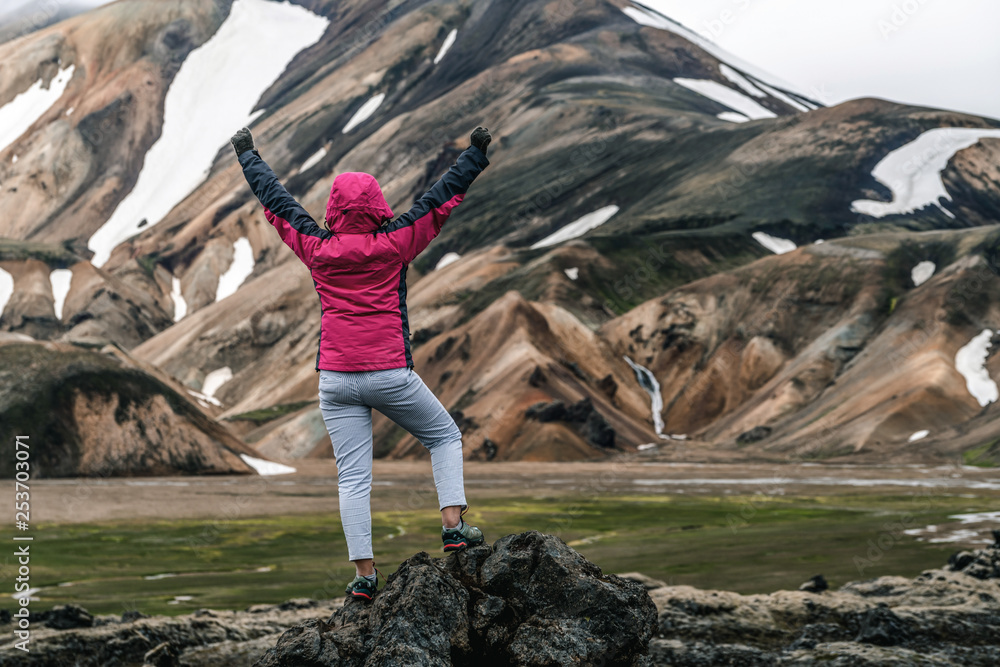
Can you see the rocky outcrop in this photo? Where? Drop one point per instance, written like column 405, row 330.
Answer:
column 206, row 638
column 527, row 600
column 948, row 616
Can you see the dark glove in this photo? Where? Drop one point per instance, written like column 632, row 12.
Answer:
column 481, row 139
column 242, row 141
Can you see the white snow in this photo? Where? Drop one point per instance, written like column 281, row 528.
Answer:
column 919, row 435
column 60, row 280
column 970, row 361
column 579, row 228
column 913, row 172
column 313, row 159
column 727, row 97
column 446, row 259
column 203, row 400
column 364, row 113
column 774, row 92
column 212, row 95
column 648, row 445
column 6, row 289
column 448, row 41
column 238, row 271
column 266, row 467
column 21, row 112
column 776, row 245
column 69, row 112
column 180, row 305
column 572, row 273
column 819, row 241
column 740, row 80
column 732, row 117
column 13, row 160
column 214, row 381
column 654, row 19
column 180, row 598
column 977, row 517
column 648, row 382
column 922, row 272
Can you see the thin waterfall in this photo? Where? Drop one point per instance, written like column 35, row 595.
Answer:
column 652, row 387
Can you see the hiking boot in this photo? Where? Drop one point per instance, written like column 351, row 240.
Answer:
column 461, row 537
column 362, row 588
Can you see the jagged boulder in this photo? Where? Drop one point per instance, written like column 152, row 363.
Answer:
column 528, row 600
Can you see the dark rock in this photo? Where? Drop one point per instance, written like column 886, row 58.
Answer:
column 528, row 600
column 161, row 656
column 68, row 616
column 880, row 626
column 599, row 431
column 133, row 615
column 4, row 617
column 463, row 422
column 537, row 377
column 489, row 449
column 817, row 584
column 547, row 412
column 577, row 371
column 444, row 348
column 756, row 434
column 421, row 336
column 608, row 385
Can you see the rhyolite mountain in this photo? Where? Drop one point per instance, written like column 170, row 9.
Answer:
column 603, row 107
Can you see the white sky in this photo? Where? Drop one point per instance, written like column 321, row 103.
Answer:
column 938, row 53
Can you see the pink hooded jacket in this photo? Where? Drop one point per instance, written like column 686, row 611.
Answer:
column 359, row 265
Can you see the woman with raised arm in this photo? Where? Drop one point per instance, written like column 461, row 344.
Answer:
column 358, row 260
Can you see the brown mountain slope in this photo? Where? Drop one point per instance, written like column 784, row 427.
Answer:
column 101, row 414
column 831, row 347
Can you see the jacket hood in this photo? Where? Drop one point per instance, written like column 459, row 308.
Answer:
column 356, row 204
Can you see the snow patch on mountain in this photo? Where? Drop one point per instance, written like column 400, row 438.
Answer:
column 776, row 245
column 364, row 113
column 970, row 361
column 740, row 80
column 913, row 172
column 214, row 91
column 180, row 304
column 21, row 112
column 266, row 467
column 214, row 381
column 238, row 271
column 61, row 279
column 446, row 259
column 922, row 272
column 448, row 41
column 919, row 435
column 313, row 160
column 727, row 97
column 578, row 228
column 774, row 92
column 733, row 117
column 648, row 382
column 572, row 273
column 6, row 289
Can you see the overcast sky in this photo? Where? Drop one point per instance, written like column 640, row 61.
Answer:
column 939, row 53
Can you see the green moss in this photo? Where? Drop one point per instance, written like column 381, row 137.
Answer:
column 984, row 456
column 738, row 541
column 264, row 415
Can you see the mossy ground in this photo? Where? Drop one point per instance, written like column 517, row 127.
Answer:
column 747, row 544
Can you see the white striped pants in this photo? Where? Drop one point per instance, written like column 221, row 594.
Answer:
column 346, row 400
